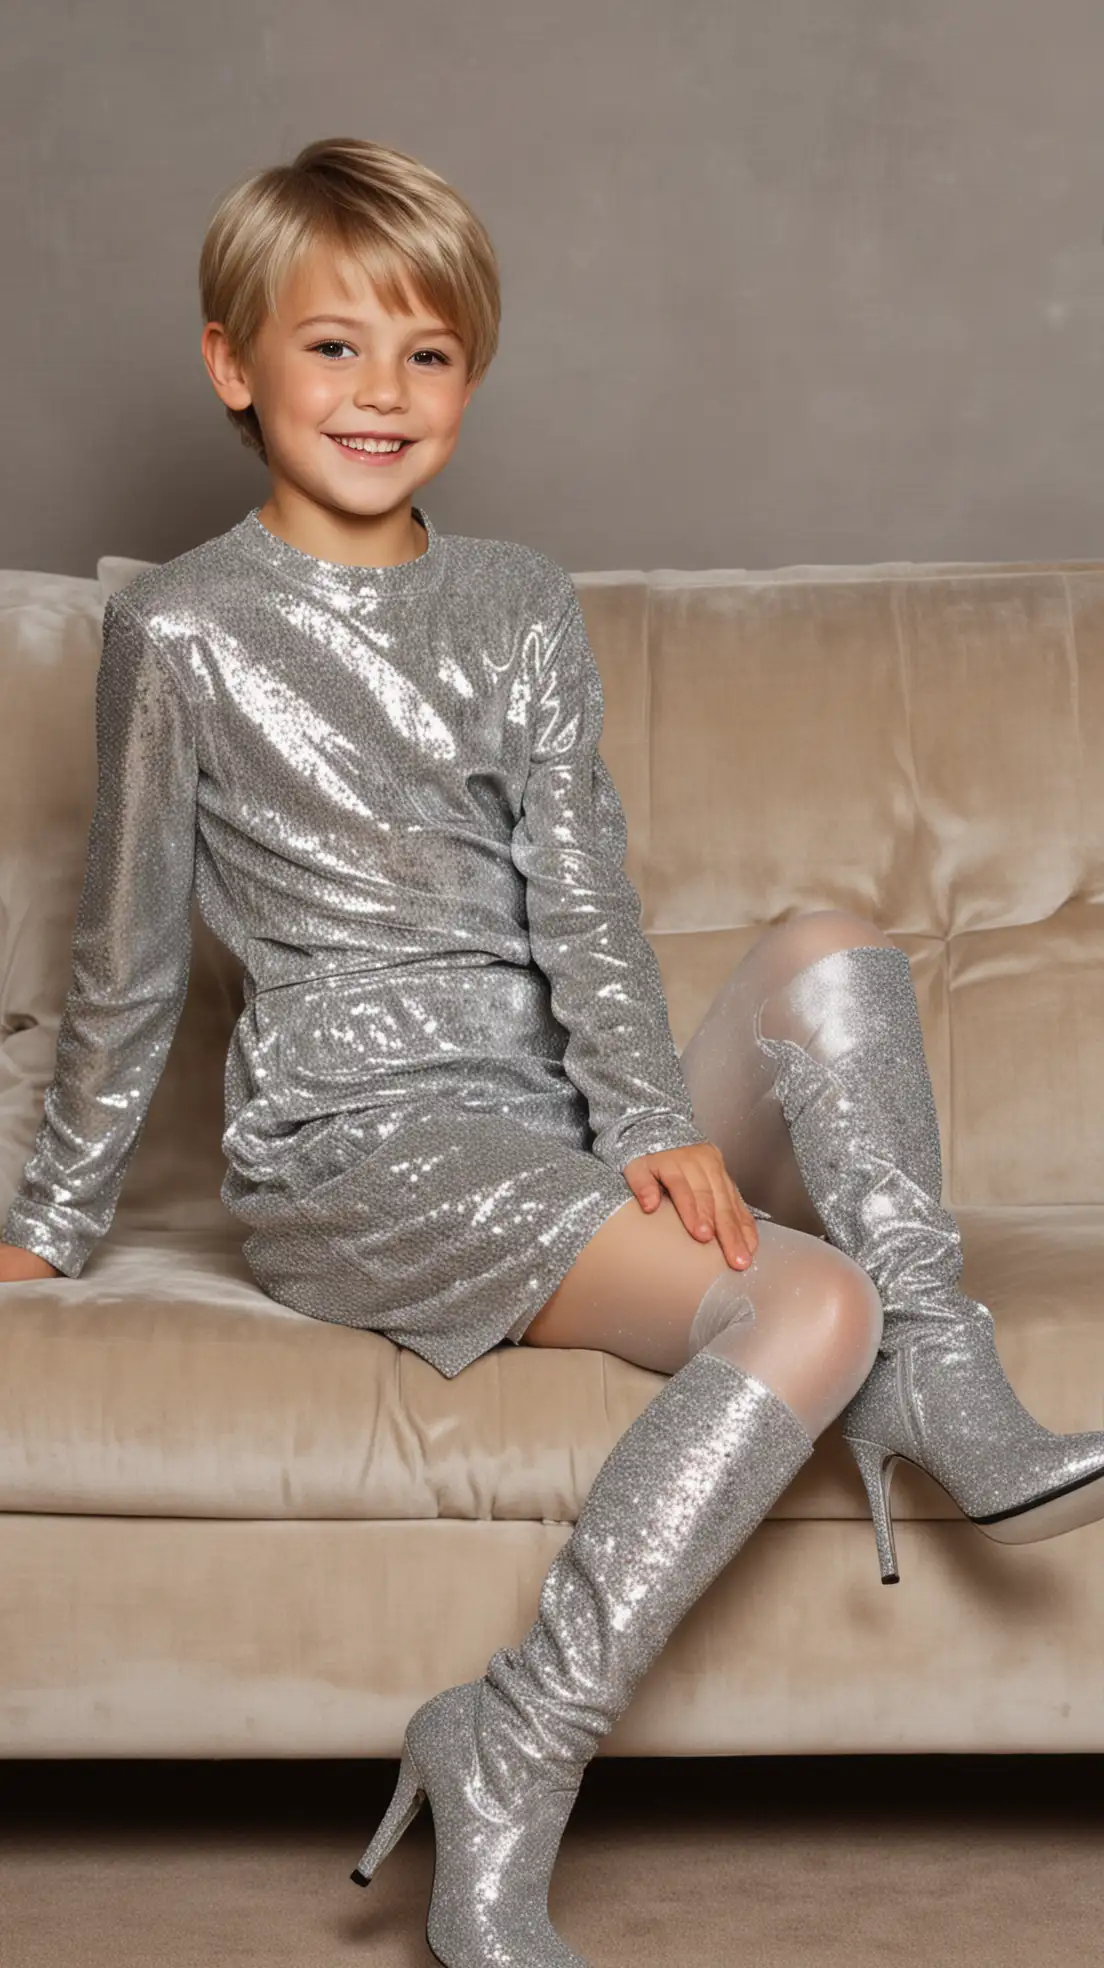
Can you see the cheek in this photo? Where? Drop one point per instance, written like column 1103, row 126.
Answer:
column 306, row 393
column 444, row 407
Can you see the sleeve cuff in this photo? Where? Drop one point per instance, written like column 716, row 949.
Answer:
column 646, row 1137
column 67, row 1252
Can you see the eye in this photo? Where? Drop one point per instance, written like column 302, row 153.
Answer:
column 324, row 348
column 435, row 353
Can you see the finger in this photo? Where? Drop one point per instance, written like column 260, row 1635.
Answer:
column 731, row 1232
column 748, row 1227
column 735, row 1224
column 748, row 1223
column 645, row 1187
column 694, row 1204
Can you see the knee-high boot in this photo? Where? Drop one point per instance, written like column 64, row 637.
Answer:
column 501, row 1758
column 853, row 1083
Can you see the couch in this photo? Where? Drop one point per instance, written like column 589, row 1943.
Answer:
column 229, row 1530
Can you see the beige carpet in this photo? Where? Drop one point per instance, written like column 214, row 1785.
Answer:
column 921, row 1862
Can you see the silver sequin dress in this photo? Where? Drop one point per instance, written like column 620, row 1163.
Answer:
column 385, row 788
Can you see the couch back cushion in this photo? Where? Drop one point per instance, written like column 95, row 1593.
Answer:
column 924, row 745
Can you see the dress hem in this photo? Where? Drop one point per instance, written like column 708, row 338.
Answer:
column 512, row 1332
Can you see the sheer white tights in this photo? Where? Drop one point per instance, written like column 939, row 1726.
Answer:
column 803, row 1316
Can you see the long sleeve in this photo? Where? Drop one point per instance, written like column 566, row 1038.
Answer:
column 131, row 952
column 584, row 912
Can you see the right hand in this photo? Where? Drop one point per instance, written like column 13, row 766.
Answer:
column 17, row 1264
column 708, row 1201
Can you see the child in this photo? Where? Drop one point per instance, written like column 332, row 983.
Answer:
column 455, row 1113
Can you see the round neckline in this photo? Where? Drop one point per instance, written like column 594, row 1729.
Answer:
column 405, row 577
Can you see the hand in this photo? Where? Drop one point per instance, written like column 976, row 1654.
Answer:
column 702, row 1191
column 16, row 1264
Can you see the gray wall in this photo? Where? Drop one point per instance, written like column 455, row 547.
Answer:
column 785, row 280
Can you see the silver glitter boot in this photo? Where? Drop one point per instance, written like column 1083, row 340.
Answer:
column 859, row 1106
column 501, row 1759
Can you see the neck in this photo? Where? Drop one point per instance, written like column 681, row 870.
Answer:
column 352, row 539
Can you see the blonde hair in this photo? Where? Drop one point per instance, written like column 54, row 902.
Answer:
column 398, row 217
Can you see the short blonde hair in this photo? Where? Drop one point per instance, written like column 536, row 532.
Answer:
column 399, row 218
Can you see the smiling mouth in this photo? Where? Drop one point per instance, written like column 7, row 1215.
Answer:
column 377, row 449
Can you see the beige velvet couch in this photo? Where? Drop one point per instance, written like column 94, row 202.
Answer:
column 228, row 1530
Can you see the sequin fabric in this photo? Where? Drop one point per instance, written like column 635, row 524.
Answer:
column 501, row 1759
column 383, row 786
column 853, row 1083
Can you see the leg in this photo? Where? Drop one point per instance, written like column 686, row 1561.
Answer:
column 809, row 1072
column 501, row 1758
column 803, row 1317
column 810, row 1317
column 842, row 1038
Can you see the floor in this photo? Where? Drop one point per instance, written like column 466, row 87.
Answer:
column 923, row 1862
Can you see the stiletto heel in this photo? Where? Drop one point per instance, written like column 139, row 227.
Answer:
column 876, row 1466
column 407, row 1801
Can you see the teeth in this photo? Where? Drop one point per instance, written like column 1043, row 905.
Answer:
column 371, row 443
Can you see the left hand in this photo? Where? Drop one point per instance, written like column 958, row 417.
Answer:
column 703, row 1192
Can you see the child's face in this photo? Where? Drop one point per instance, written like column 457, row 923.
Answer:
column 330, row 364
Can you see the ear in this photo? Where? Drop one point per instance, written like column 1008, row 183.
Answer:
column 225, row 367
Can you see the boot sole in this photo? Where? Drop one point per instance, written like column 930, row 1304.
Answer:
column 1082, row 1503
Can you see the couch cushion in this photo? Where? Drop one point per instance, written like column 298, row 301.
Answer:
column 163, row 1382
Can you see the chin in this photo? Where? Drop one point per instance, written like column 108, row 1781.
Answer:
column 339, row 498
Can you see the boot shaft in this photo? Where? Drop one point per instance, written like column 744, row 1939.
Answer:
column 676, row 1498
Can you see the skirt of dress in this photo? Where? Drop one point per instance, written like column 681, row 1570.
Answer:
column 448, row 1237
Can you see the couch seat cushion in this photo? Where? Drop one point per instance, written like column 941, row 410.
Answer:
column 163, row 1382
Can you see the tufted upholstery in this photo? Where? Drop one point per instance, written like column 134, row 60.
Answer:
column 922, row 744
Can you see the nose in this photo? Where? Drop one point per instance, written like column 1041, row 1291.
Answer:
column 381, row 385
